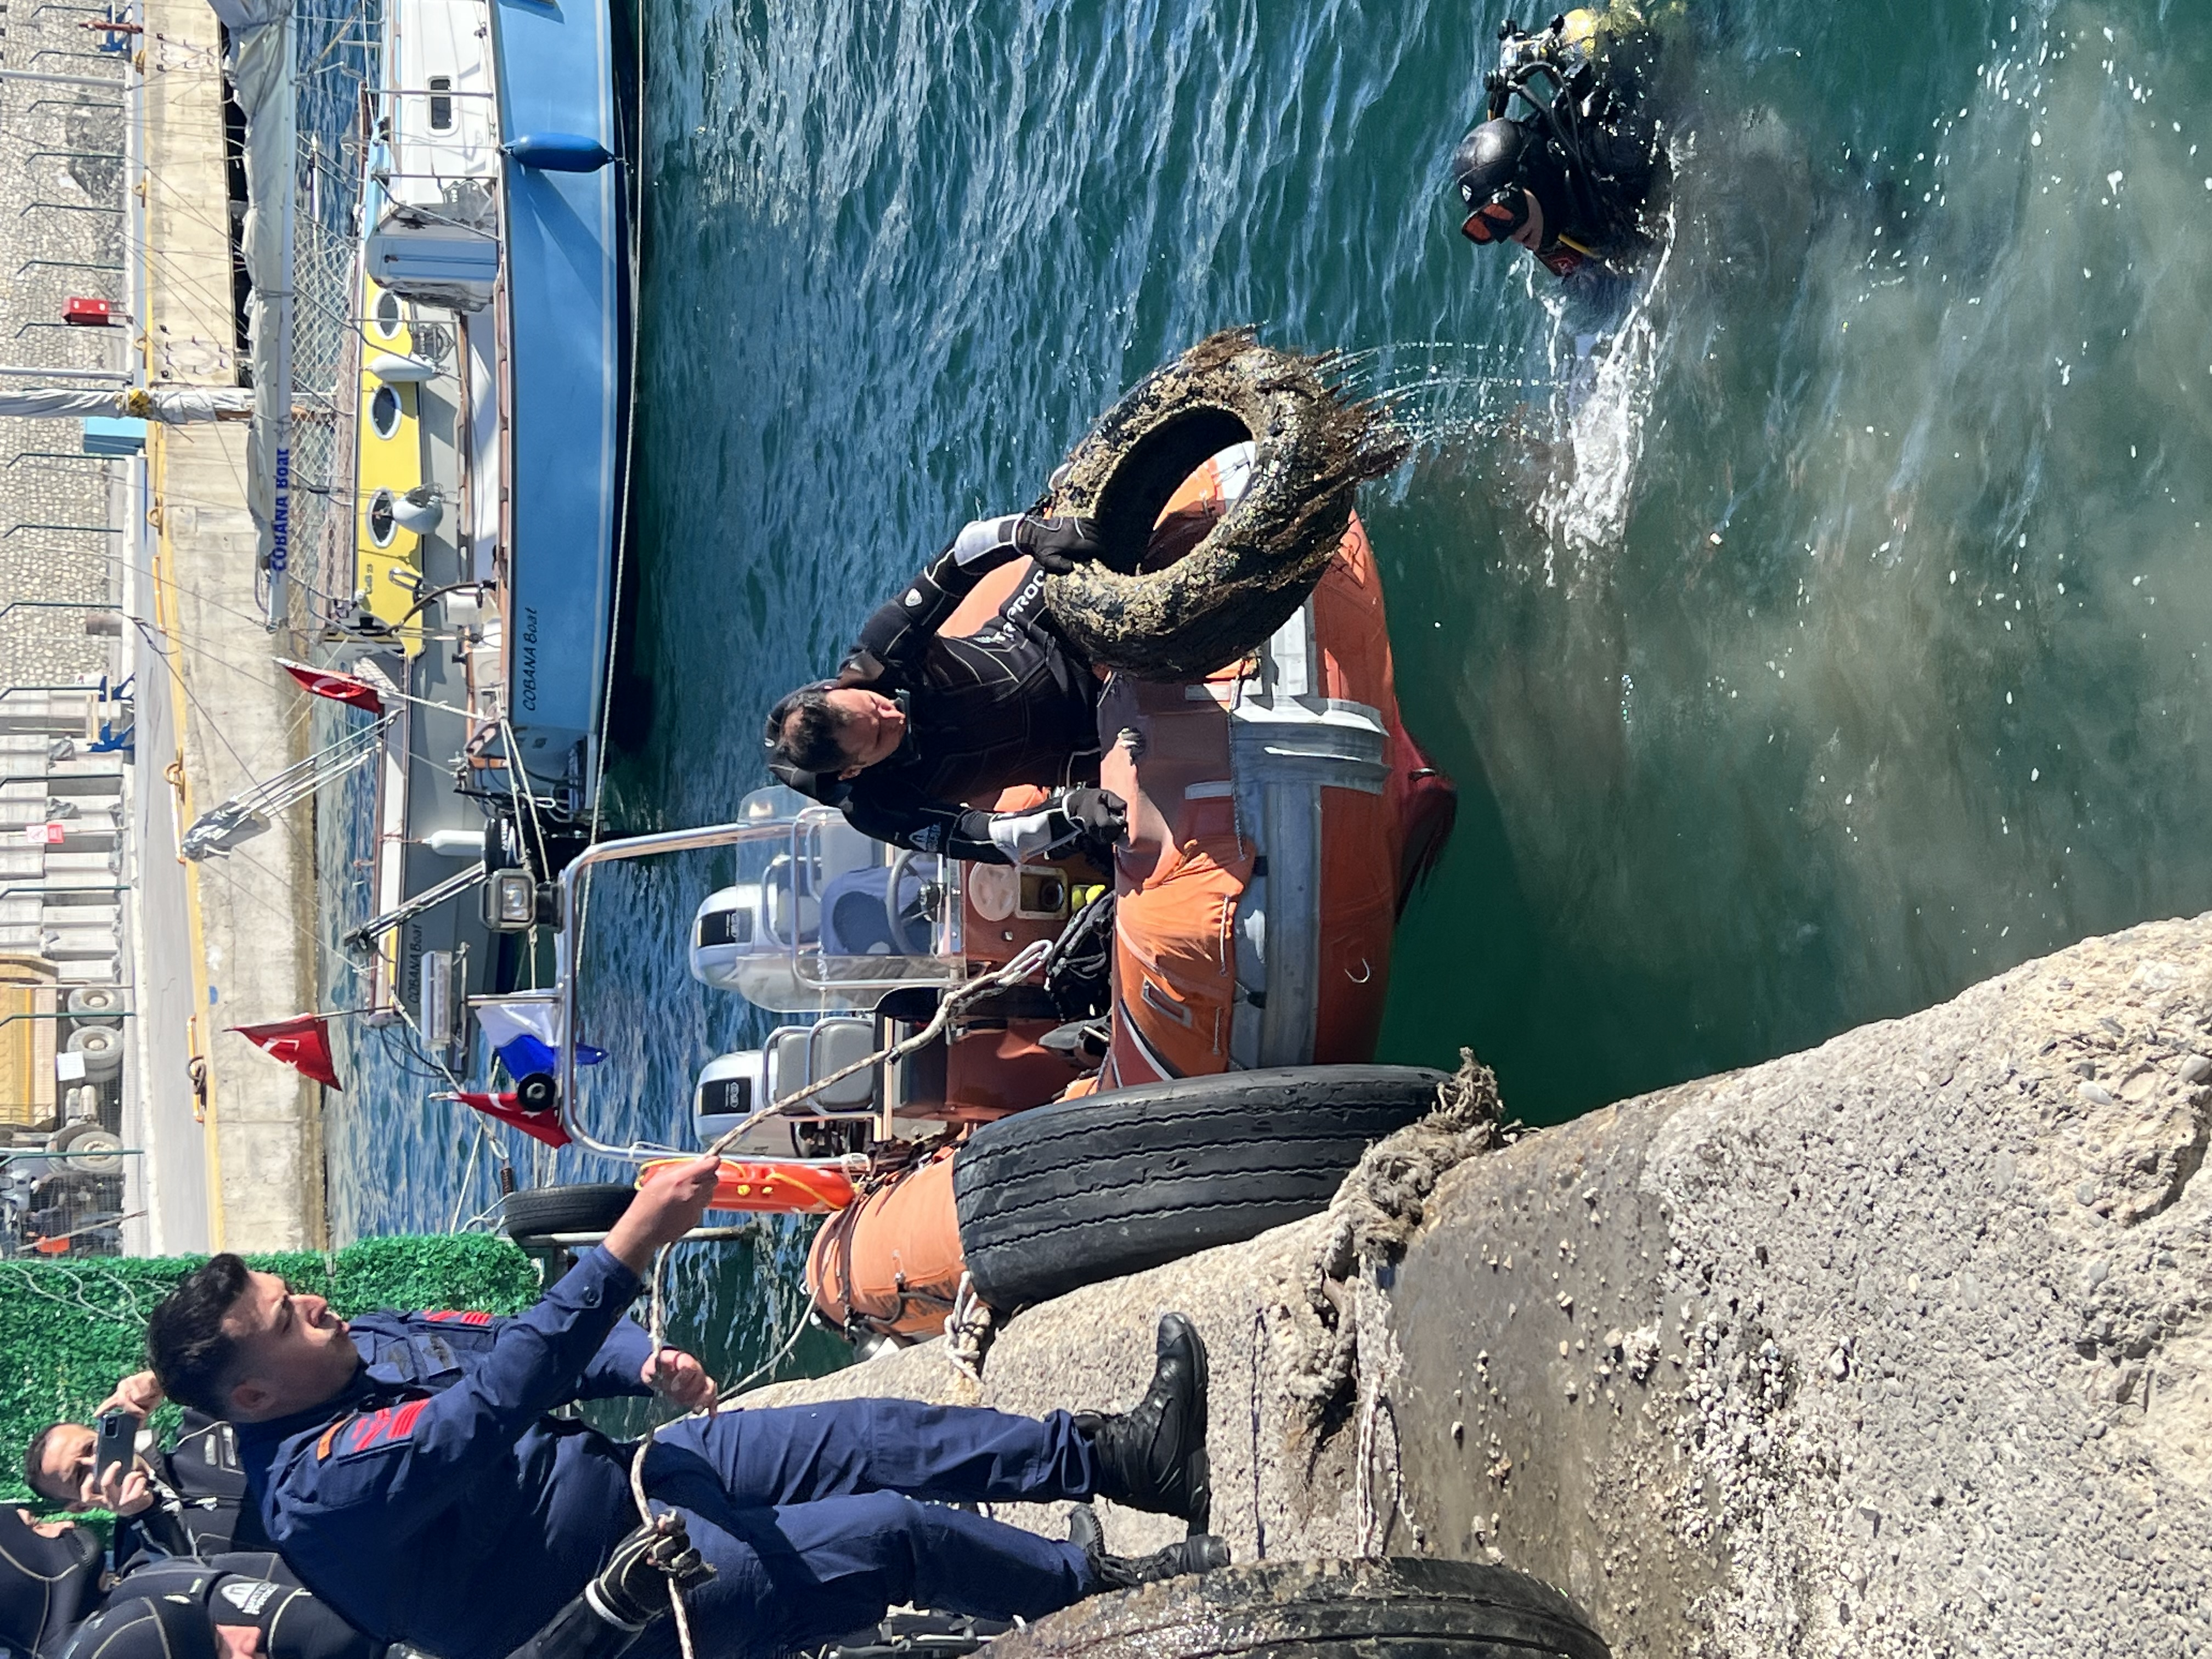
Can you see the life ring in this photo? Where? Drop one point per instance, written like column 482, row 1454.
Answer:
column 1255, row 565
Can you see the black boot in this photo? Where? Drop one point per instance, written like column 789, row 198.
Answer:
column 1154, row 1457
column 1199, row 1552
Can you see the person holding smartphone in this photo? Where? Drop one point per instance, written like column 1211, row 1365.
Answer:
column 187, row 1500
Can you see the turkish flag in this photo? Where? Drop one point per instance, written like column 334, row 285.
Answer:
column 543, row 1125
column 338, row 688
column 303, row 1043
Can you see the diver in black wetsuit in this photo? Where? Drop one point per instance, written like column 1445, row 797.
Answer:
column 915, row 723
column 56, row 1603
column 1574, row 180
column 185, row 1500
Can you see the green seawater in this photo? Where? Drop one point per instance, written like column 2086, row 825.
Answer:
column 1837, row 640
column 1815, row 629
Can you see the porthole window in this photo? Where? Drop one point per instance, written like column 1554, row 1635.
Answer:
column 387, row 314
column 384, row 411
column 381, row 523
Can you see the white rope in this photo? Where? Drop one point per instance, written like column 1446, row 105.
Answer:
column 522, row 797
column 782, row 1353
column 639, row 1152
column 967, row 1330
column 1024, row 965
column 657, row 1328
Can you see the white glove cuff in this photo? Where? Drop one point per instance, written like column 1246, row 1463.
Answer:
column 1025, row 836
column 980, row 537
column 592, row 1600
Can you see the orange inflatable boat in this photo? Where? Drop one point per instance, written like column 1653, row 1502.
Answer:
column 1279, row 816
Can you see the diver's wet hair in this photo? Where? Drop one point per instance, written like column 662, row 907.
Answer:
column 33, row 1454
column 806, row 725
column 185, row 1344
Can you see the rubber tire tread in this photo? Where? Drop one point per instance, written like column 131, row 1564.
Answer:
column 1399, row 1608
column 1081, row 1190
column 1253, row 569
column 586, row 1206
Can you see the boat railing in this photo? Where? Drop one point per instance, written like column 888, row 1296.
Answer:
column 569, row 944
column 942, row 971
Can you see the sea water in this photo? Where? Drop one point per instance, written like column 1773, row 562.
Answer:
column 1813, row 627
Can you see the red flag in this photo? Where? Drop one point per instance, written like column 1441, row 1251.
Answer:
column 339, row 688
column 543, row 1125
column 303, row 1043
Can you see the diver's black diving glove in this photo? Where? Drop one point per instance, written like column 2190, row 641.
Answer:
column 630, row 1592
column 1097, row 821
column 632, row 1589
column 1055, row 544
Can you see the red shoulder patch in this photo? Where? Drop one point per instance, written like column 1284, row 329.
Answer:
column 366, row 1430
column 446, row 1316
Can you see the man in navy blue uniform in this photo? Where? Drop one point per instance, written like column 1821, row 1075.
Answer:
column 416, row 1483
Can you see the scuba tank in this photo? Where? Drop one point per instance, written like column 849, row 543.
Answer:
column 1566, row 49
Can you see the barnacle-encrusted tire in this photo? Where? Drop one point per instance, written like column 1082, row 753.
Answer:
column 1405, row 1608
column 1083, row 1190
column 591, row 1207
column 1256, row 566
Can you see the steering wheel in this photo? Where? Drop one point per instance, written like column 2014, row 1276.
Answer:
column 915, row 916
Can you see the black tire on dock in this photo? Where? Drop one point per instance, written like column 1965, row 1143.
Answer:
column 1088, row 1189
column 1255, row 567
column 1400, row 1609
column 591, row 1207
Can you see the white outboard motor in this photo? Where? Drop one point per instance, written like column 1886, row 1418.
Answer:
column 729, row 1093
column 734, row 1085
column 730, row 926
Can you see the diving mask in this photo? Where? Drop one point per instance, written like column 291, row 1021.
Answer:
column 1500, row 219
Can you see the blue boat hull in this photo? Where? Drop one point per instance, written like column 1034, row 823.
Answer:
column 565, row 321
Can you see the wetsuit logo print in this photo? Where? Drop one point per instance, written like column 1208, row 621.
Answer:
column 248, row 1596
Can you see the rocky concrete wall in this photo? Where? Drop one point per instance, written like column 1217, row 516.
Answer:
column 1898, row 1345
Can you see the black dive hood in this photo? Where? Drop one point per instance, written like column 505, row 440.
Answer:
column 1499, row 156
column 47, row 1585
column 1488, row 160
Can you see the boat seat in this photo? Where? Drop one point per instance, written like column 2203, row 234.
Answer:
column 857, row 920
column 796, row 1056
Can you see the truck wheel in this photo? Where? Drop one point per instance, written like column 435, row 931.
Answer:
column 96, row 1005
column 1093, row 1189
column 102, row 1048
column 1258, row 563
column 91, row 1149
column 590, row 1206
column 1405, row 1608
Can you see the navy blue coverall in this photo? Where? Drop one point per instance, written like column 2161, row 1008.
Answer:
column 433, row 1502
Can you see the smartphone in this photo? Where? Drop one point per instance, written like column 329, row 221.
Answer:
column 119, row 1442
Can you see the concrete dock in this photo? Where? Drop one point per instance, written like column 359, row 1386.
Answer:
column 1900, row 1345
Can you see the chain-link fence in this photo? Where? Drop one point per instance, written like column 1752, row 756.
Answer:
column 337, row 54
column 62, row 198
column 70, row 1203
